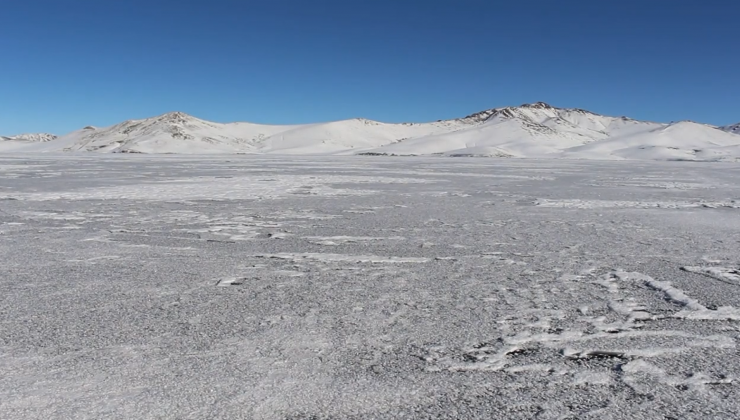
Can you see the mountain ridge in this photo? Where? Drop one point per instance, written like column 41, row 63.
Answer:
column 535, row 130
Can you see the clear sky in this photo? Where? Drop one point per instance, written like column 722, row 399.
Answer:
column 65, row 64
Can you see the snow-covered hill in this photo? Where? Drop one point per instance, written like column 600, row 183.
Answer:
column 535, row 130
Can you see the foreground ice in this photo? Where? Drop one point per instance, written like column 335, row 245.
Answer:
column 367, row 288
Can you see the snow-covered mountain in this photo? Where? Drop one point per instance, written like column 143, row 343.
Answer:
column 535, row 130
column 735, row 128
column 30, row 137
column 530, row 130
column 174, row 132
column 541, row 131
column 177, row 132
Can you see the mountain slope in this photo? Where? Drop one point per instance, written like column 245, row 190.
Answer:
column 535, row 130
column 351, row 136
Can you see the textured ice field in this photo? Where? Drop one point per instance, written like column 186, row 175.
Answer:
column 242, row 287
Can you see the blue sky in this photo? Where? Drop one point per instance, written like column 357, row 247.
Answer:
column 70, row 63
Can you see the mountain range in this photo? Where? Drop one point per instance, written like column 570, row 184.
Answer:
column 30, row 137
column 535, row 130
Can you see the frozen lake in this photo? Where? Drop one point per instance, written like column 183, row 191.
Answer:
column 137, row 287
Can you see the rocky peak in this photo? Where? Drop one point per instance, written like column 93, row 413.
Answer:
column 505, row 112
column 735, row 128
column 537, row 105
column 174, row 118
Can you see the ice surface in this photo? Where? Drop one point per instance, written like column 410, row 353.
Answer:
column 356, row 287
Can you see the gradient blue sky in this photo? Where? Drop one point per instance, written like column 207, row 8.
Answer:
column 70, row 63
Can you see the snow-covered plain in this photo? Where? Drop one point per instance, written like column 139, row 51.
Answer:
column 353, row 287
column 535, row 130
